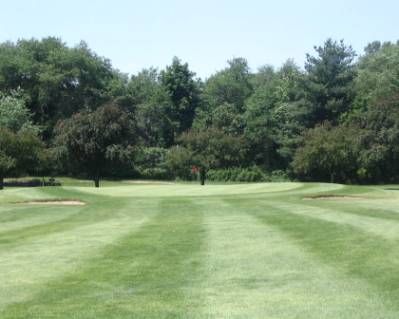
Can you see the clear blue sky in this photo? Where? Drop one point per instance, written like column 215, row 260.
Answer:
column 204, row 33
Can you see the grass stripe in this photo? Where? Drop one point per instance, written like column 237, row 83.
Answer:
column 345, row 248
column 145, row 274
column 79, row 217
column 20, row 218
column 371, row 208
column 377, row 226
column 254, row 271
column 28, row 266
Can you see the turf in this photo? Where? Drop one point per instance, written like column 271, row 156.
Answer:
column 186, row 251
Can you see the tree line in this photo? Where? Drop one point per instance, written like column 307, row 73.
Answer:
column 66, row 110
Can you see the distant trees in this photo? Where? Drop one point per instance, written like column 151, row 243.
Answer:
column 183, row 90
column 328, row 153
column 378, row 73
column 19, row 153
column 57, row 80
column 231, row 85
column 67, row 108
column 378, row 131
column 153, row 109
column 329, row 82
column 20, row 146
column 7, row 154
column 205, row 150
column 272, row 116
column 93, row 141
column 224, row 96
column 14, row 114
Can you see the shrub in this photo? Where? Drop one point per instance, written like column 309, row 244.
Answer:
column 35, row 182
column 248, row 175
column 251, row 174
column 155, row 173
column 150, row 163
column 279, row 176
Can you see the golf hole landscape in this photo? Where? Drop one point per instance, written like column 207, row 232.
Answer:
column 256, row 250
column 199, row 159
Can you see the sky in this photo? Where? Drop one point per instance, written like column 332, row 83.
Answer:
column 205, row 33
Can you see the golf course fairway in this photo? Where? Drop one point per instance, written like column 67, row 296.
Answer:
column 267, row 250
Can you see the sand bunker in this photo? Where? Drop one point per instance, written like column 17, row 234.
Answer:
column 333, row 197
column 55, row 202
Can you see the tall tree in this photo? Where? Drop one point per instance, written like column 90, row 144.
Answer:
column 231, row 85
column 183, row 90
column 329, row 83
column 93, row 141
column 378, row 74
column 57, row 80
column 378, row 141
column 224, row 96
column 153, row 109
column 271, row 116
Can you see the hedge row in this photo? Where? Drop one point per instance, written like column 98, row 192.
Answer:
column 251, row 174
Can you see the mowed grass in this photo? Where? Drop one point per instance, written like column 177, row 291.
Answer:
column 272, row 250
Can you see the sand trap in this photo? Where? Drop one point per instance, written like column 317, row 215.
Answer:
column 333, row 197
column 55, row 202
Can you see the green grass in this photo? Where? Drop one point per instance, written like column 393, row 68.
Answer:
column 186, row 251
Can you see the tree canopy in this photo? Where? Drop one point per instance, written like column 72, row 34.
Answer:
column 334, row 119
column 93, row 141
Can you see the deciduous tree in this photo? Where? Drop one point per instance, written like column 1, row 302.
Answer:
column 92, row 141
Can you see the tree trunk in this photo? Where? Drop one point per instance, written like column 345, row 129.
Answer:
column 1, row 182
column 97, row 181
column 202, row 176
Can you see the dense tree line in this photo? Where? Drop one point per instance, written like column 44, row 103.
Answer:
column 66, row 110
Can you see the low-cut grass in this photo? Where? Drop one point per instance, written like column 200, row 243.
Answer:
column 154, row 250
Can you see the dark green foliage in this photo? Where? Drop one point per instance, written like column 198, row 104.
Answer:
column 14, row 114
column 57, row 80
column 205, row 150
column 329, row 82
column 334, row 120
column 19, row 153
column 224, row 98
column 271, row 116
column 7, row 153
column 247, row 174
column 379, row 141
column 328, row 153
column 179, row 162
column 250, row 174
column 231, row 85
column 151, row 163
column 92, row 142
column 378, row 74
column 153, row 109
column 183, row 91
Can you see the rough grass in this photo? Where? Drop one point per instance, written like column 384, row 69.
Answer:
column 185, row 251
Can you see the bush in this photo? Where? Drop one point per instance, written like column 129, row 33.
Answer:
column 154, row 173
column 252, row 174
column 150, row 163
column 279, row 176
column 248, row 175
column 35, row 182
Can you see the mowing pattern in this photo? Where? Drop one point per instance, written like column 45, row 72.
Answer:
column 184, row 251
